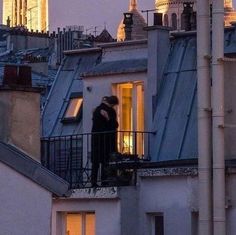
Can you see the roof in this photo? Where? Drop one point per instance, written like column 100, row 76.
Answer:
column 175, row 119
column 138, row 25
column 33, row 170
column 118, row 67
column 66, row 82
column 38, row 79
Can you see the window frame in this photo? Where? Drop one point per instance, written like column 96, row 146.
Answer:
column 157, row 223
column 77, row 118
column 83, row 215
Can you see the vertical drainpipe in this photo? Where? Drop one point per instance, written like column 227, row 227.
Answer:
column 219, row 216
column 204, row 118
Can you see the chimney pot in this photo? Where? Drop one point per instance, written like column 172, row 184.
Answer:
column 157, row 17
column 17, row 75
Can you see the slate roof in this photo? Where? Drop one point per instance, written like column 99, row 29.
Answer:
column 67, row 81
column 33, row 170
column 118, row 67
column 175, row 120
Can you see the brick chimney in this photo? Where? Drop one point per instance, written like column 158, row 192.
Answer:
column 20, row 110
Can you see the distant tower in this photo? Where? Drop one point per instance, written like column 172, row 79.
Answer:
column 137, row 27
column 32, row 14
column 172, row 11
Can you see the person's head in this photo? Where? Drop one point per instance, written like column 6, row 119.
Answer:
column 112, row 100
column 104, row 98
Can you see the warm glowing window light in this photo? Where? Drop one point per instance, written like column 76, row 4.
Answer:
column 131, row 117
column 80, row 223
column 73, row 108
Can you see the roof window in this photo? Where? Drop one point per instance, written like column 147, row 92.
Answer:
column 74, row 108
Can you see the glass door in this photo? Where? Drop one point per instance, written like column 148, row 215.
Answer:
column 131, row 117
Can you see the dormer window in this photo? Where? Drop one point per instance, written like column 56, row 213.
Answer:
column 74, row 108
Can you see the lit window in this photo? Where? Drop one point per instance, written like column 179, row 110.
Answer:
column 80, row 223
column 73, row 110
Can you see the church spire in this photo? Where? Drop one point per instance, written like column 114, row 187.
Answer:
column 133, row 5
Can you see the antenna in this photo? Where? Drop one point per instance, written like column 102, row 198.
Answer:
column 147, row 12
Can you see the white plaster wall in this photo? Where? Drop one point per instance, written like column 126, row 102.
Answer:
column 107, row 214
column 25, row 206
column 175, row 197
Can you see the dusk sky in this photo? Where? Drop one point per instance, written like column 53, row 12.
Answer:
column 91, row 13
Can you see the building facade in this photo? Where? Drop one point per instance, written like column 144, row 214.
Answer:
column 32, row 14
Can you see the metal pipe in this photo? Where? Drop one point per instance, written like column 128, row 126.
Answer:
column 204, row 117
column 219, row 217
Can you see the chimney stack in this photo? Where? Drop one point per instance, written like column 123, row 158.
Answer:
column 20, row 110
column 189, row 17
column 128, row 22
column 157, row 18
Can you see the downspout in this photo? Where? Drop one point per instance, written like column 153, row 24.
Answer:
column 204, row 117
column 219, row 216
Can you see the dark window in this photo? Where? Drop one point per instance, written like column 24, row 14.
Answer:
column 174, row 21
column 159, row 224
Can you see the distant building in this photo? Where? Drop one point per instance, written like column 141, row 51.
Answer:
column 137, row 25
column 32, row 14
column 174, row 12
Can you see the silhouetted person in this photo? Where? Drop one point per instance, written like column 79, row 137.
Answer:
column 104, row 136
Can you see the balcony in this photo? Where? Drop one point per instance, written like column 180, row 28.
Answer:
column 70, row 157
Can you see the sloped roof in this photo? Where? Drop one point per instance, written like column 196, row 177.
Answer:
column 66, row 82
column 118, row 67
column 33, row 170
column 175, row 119
column 104, row 36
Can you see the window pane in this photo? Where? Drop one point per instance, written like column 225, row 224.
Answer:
column 73, row 224
column 73, row 108
column 90, row 224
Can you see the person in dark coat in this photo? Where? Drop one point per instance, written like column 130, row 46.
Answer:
column 104, row 136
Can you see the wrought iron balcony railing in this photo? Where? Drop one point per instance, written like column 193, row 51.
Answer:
column 70, row 156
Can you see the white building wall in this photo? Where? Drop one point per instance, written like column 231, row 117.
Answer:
column 107, row 214
column 175, row 197
column 25, row 206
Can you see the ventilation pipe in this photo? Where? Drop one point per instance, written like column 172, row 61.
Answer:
column 219, row 216
column 204, row 117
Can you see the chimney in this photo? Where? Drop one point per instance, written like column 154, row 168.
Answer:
column 157, row 18
column 20, row 111
column 159, row 43
column 8, row 22
column 189, row 17
column 128, row 22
